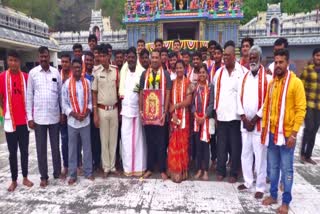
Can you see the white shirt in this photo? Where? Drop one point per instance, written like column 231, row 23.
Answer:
column 44, row 96
column 130, row 102
column 193, row 77
column 67, row 107
column 209, row 65
column 249, row 107
column 173, row 76
column 227, row 109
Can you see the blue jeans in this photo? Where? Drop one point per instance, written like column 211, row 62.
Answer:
column 64, row 144
column 84, row 135
column 280, row 158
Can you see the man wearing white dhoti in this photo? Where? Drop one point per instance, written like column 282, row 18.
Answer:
column 251, row 95
column 133, row 149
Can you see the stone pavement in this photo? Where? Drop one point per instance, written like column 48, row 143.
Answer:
column 131, row 195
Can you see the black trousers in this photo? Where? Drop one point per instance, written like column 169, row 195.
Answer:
column 229, row 133
column 41, row 144
column 156, row 147
column 19, row 138
column 213, row 147
column 312, row 123
column 95, row 144
column 203, row 153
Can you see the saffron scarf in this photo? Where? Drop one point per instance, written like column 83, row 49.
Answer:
column 213, row 71
column 175, row 101
column 9, row 123
column 162, row 83
column 204, row 100
column 262, row 90
column 279, row 135
column 73, row 95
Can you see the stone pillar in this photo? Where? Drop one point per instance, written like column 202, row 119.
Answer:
column 160, row 30
column 202, row 29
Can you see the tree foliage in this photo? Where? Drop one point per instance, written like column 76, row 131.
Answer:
column 114, row 9
column 46, row 10
column 251, row 7
column 55, row 12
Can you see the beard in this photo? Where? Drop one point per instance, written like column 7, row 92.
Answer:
column 254, row 66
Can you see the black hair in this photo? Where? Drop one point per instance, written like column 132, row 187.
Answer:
column 281, row 41
column 89, row 53
column 177, row 40
column 181, row 62
column 158, row 40
column 103, row 48
column 43, row 49
column 164, row 49
column 203, row 65
column 156, row 51
column 198, row 54
column 172, row 54
column 91, row 37
column 212, row 42
column 131, row 50
column 143, row 52
column 185, row 52
column 66, row 55
column 282, row 52
column 315, row 51
column 203, row 49
column 96, row 48
column 13, row 53
column 249, row 40
column 141, row 41
column 77, row 46
column 117, row 52
column 108, row 46
column 77, row 60
column 229, row 43
column 218, row 47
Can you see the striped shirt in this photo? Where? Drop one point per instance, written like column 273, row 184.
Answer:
column 311, row 80
column 44, row 96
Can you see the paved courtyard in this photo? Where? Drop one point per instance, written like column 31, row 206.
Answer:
column 130, row 195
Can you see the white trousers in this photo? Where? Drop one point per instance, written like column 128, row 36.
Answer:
column 133, row 149
column 251, row 145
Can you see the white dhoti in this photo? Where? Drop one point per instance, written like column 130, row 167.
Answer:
column 251, row 145
column 133, row 150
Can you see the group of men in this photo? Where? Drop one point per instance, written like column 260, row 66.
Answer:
column 94, row 102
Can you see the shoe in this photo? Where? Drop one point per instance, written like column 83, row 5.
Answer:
column 219, row 178
column 71, row 181
column 232, row 180
column 44, row 183
column 309, row 160
column 242, row 187
column 258, row 195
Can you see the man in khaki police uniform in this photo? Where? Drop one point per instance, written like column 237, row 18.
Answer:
column 105, row 109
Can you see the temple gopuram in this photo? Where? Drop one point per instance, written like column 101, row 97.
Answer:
column 194, row 22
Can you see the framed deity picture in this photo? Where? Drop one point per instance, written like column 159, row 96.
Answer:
column 152, row 107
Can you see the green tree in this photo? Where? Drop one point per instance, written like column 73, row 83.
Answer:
column 114, row 9
column 46, row 10
column 251, row 7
